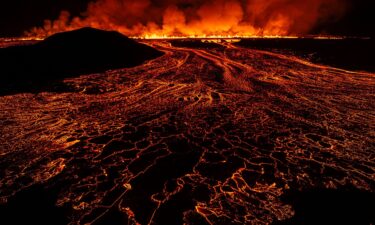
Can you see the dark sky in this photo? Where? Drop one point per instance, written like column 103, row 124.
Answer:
column 358, row 21
column 16, row 16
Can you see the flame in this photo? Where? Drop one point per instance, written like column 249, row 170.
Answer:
column 150, row 19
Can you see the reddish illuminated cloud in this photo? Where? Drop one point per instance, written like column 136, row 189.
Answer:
column 147, row 18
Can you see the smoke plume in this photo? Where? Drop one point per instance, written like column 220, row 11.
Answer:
column 147, row 18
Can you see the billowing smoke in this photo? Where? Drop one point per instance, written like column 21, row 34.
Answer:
column 200, row 17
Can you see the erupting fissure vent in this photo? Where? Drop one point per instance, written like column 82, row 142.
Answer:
column 193, row 18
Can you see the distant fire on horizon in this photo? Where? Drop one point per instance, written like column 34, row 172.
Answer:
column 199, row 18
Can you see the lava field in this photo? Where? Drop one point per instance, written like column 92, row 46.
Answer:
column 206, row 134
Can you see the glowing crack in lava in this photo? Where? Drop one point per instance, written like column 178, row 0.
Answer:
column 198, row 136
column 200, row 18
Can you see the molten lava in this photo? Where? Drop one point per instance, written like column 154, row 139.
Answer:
column 201, row 135
column 193, row 18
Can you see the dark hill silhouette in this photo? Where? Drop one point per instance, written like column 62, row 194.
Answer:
column 87, row 50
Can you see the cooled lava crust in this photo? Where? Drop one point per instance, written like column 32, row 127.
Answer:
column 215, row 134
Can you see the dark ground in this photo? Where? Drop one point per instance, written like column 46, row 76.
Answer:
column 351, row 53
column 32, row 68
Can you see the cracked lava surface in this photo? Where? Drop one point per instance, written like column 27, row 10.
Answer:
column 197, row 136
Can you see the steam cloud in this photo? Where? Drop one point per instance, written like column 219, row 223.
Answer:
column 200, row 17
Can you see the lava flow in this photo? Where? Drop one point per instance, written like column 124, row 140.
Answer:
column 212, row 135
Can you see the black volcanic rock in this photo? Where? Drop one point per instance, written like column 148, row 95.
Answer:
column 83, row 51
column 348, row 53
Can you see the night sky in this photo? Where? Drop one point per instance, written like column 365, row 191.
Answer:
column 17, row 16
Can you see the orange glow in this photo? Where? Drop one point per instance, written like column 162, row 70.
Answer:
column 199, row 19
column 202, row 135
